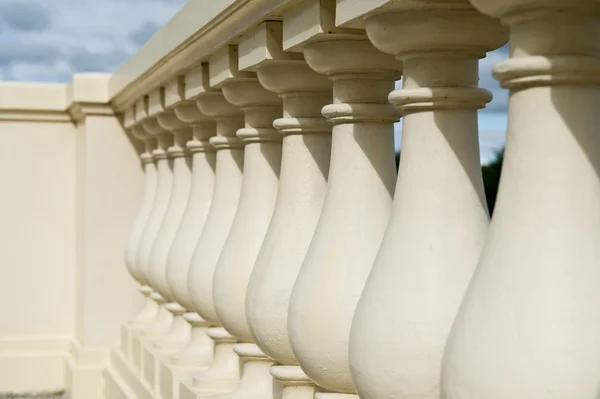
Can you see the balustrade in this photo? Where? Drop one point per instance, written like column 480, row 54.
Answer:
column 280, row 256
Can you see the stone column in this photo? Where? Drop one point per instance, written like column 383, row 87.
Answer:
column 356, row 206
column 262, row 160
column 199, row 347
column 529, row 324
column 137, row 230
column 303, row 179
column 224, row 370
column 439, row 218
column 162, row 320
column 177, row 335
column 262, row 157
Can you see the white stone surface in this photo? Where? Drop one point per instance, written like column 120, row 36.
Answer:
column 529, row 324
column 439, row 218
column 356, row 206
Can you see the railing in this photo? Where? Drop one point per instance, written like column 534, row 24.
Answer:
column 278, row 252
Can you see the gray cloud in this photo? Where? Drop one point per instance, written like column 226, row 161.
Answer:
column 49, row 40
column 25, row 17
column 82, row 60
column 14, row 53
column 143, row 33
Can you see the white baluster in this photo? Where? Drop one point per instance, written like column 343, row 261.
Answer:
column 529, row 325
column 199, row 349
column 356, row 207
column 224, row 371
column 262, row 160
column 137, row 229
column 439, row 218
column 304, row 168
column 177, row 334
column 162, row 320
column 194, row 217
column 150, row 176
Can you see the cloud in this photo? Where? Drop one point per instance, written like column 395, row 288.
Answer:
column 25, row 17
column 41, row 43
column 15, row 53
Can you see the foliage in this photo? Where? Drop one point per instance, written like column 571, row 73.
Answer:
column 491, row 178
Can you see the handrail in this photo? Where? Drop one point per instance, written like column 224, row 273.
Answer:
column 187, row 39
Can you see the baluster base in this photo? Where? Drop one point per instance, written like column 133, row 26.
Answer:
column 138, row 322
column 335, row 395
column 151, row 332
column 195, row 357
column 160, row 352
column 223, row 376
column 160, row 328
column 295, row 383
column 179, row 334
column 257, row 381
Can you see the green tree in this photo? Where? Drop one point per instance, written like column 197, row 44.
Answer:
column 491, row 179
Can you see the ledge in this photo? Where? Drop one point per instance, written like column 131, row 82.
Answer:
column 186, row 40
column 86, row 94
column 42, row 97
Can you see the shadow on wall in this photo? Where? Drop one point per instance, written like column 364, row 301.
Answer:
column 491, row 178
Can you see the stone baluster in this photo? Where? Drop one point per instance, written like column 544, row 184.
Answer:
column 149, row 311
column 177, row 335
column 162, row 320
column 262, row 160
column 357, row 200
column 261, row 171
column 439, row 218
column 224, row 370
column 529, row 324
column 199, row 349
column 303, row 180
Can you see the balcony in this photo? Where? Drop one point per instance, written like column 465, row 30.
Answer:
column 223, row 217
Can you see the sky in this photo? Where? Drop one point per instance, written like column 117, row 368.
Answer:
column 50, row 40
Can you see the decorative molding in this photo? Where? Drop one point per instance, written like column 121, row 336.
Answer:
column 86, row 94
column 79, row 111
column 35, row 102
column 33, row 97
column 12, row 115
column 188, row 39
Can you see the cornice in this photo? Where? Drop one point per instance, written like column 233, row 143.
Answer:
column 11, row 115
column 188, row 39
column 80, row 110
column 36, row 102
column 86, row 94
